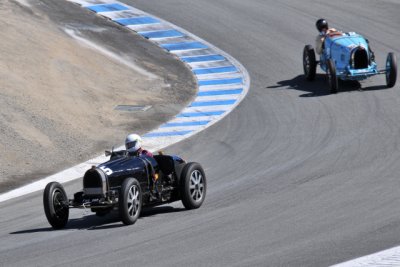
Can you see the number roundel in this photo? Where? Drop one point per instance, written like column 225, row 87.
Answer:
column 107, row 171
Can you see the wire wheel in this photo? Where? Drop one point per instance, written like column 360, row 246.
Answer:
column 196, row 186
column 130, row 201
column 133, row 201
column 193, row 186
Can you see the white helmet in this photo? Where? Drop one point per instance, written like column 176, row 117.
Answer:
column 133, row 143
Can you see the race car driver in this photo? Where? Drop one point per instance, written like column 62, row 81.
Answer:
column 133, row 144
column 324, row 30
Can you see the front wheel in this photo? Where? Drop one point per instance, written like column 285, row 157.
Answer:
column 332, row 78
column 193, row 186
column 391, row 70
column 56, row 206
column 130, row 201
column 309, row 63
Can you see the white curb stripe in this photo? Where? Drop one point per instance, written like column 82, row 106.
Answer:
column 202, row 111
column 389, row 257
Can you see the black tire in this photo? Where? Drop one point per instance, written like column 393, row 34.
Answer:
column 331, row 75
column 309, row 63
column 391, row 70
column 193, row 186
column 130, row 201
column 56, row 206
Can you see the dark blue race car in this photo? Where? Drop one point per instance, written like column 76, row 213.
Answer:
column 126, row 183
column 347, row 56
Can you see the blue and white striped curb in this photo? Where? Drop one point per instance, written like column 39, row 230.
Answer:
column 222, row 83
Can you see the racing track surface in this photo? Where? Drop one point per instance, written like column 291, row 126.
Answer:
column 296, row 177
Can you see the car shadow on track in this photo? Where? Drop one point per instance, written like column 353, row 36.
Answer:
column 94, row 222
column 319, row 87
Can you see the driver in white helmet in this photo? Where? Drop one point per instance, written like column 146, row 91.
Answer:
column 133, row 144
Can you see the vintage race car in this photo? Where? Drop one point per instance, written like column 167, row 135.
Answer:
column 347, row 56
column 125, row 183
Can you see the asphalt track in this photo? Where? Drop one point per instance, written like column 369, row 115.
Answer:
column 296, row 177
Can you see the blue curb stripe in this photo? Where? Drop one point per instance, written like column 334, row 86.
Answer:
column 221, row 81
column 162, row 34
column 161, row 134
column 215, row 70
column 221, row 86
column 137, row 21
column 107, row 8
column 213, row 103
column 186, row 123
column 221, row 92
column 202, row 58
column 184, row 46
column 201, row 114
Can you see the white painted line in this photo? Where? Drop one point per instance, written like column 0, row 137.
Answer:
column 220, row 87
column 155, row 27
column 91, row 2
column 224, row 75
column 145, row 27
column 216, row 97
column 209, row 64
column 389, row 257
column 200, row 52
column 198, row 118
column 121, row 14
column 179, row 128
column 174, row 40
column 177, row 52
column 206, row 108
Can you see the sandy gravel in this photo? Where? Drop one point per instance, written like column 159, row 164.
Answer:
column 57, row 96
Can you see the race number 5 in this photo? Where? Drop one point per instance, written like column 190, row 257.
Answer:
column 108, row 171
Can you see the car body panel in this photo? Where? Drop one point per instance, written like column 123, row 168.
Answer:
column 341, row 48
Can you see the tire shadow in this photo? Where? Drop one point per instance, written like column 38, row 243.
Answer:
column 319, row 87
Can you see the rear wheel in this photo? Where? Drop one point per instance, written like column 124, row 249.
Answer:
column 56, row 206
column 391, row 70
column 309, row 63
column 193, row 186
column 331, row 75
column 130, row 201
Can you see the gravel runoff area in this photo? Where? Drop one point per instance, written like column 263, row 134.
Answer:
column 58, row 94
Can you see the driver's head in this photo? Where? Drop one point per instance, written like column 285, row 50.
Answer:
column 322, row 25
column 133, row 143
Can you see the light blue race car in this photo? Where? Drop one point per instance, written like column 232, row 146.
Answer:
column 347, row 56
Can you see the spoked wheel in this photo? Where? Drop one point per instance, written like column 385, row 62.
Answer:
column 391, row 70
column 332, row 78
column 130, row 202
column 56, row 206
column 309, row 63
column 193, row 186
